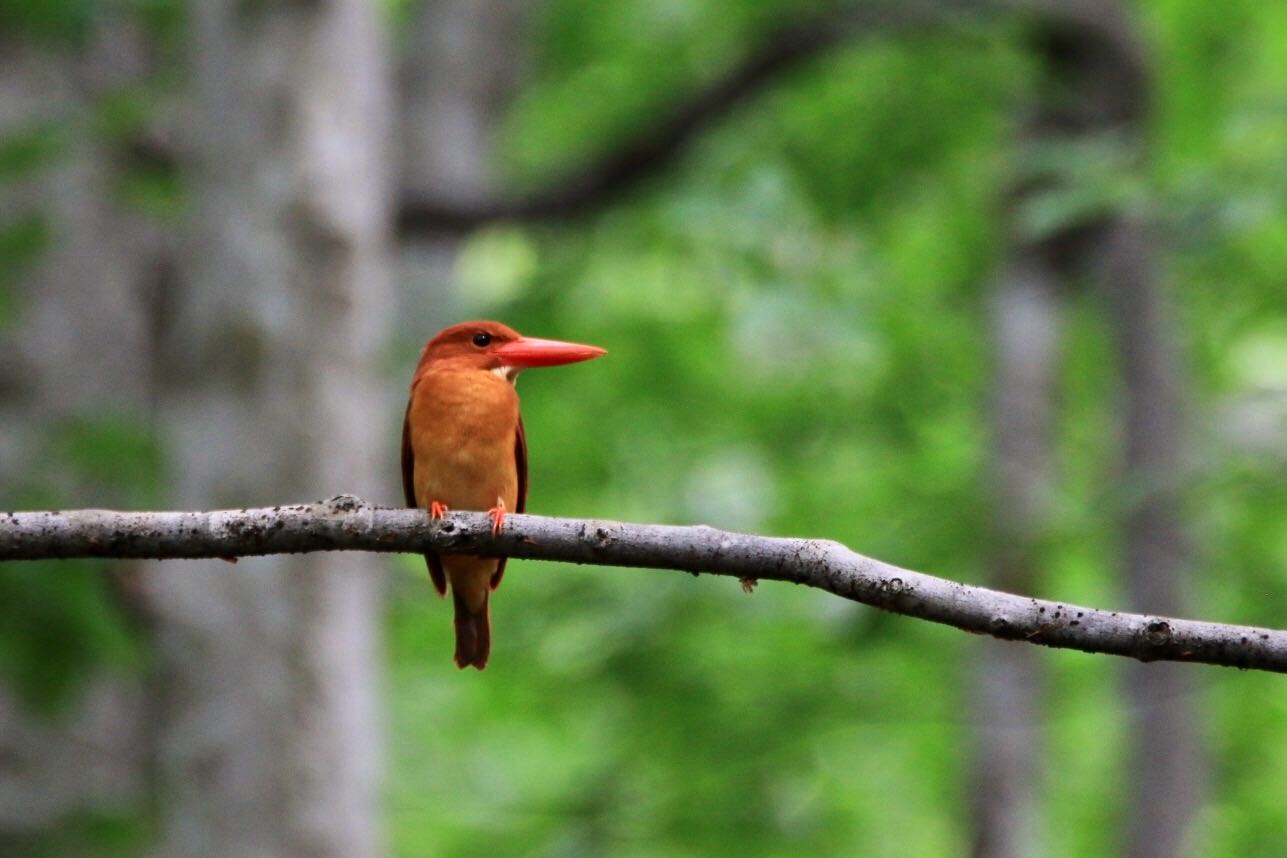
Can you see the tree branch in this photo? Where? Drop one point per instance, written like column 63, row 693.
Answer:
column 659, row 143
column 347, row 523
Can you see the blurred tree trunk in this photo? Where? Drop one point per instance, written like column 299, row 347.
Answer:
column 460, row 66
column 1103, row 86
column 1166, row 762
column 1096, row 94
column 1007, row 766
column 76, row 350
column 270, row 718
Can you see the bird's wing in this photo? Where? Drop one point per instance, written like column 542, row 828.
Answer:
column 408, row 460
column 433, row 561
column 520, row 459
column 520, row 462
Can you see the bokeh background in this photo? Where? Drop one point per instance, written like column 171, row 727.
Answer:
column 993, row 290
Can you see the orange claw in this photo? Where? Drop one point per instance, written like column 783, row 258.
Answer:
column 437, row 510
column 498, row 516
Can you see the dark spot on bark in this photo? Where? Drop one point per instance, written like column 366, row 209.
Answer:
column 1158, row 632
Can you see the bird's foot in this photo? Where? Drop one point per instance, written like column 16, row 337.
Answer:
column 437, row 510
column 498, row 516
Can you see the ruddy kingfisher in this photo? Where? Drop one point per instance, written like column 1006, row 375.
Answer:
column 463, row 447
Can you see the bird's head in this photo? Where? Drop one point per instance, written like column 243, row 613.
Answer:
column 500, row 349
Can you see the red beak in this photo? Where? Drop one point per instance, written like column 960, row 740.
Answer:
column 528, row 352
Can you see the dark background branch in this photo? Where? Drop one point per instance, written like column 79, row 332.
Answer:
column 659, row 144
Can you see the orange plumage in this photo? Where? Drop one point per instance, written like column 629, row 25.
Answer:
column 463, row 447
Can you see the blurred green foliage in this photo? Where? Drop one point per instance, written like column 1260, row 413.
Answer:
column 795, row 326
column 61, row 620
column 58, row 625
column 22, row 240
column 65, row 22
column 92, row 834
column 70, row 23
column 24, row 152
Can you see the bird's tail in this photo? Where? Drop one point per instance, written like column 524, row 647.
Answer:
column 473, row 632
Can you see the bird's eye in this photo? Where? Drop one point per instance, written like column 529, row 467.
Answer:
column 482, row 340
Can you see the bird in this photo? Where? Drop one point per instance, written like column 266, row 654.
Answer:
column 464, row 448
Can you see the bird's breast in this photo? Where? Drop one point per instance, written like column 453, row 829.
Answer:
column 463, row 435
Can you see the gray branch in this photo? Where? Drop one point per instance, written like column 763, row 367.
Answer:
column 346, row 523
